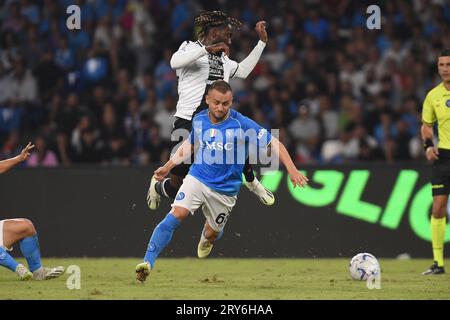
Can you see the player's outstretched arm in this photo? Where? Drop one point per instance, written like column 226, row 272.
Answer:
column 280, row 151
column 185, row 56
column 183, row 153
column 7, row 164
column 247, row 65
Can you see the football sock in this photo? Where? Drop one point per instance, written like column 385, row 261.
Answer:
column 248, row 172
column 437, row 238
column 161, row 237
column 166, row 189
column 7, row 261
column 30, row 250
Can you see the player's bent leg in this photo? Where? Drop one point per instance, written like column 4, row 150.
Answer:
column 167, row 188
column 24, row 232
column 216, row 210
column 170, row 186
column 438, row 226
column 254, row 185
column 159, row 240
column 205, row 245
column 12, row 231
column 15, row 230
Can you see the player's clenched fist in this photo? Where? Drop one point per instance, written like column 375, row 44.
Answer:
column 261, row 30
column 298, row 179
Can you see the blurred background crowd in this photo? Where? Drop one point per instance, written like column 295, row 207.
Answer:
column 338, row 92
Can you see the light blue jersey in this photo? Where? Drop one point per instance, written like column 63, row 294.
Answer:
column 223, row 148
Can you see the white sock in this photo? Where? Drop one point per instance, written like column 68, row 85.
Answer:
column 254, row 184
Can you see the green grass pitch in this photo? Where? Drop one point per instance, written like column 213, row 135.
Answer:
column 267, row 279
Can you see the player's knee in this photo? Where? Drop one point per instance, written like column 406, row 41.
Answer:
column 28, row 228
column 180, row 213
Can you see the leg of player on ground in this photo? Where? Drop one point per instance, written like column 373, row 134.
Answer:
column 6, row 242
column 160, row 238
column 24, row 232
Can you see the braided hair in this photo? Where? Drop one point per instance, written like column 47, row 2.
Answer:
column 211, row 19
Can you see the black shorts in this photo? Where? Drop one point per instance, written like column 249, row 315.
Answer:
column 440, row 174
column 177, row 138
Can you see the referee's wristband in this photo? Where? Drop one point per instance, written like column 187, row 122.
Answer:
column 428, row 143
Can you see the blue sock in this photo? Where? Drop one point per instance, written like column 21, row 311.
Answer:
column 30, row 250
column 7, row 261
column 161, row 237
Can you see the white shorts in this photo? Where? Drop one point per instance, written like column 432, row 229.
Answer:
column 216, row 207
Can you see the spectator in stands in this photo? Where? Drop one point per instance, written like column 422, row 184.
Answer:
column 358, row 83
column 42, row 157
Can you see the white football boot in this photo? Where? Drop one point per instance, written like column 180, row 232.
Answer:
column 264, row 195
column 23, row 273
column 46, row 273
column 153, row 198
column 204, row 248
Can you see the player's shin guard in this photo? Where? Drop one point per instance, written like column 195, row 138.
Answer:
column 160, row 238
column 30, row 250
column 437, row 239
column 7, row 261
column 165, row 189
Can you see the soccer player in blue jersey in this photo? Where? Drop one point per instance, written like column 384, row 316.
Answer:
column 23, row 232
column 219, row 134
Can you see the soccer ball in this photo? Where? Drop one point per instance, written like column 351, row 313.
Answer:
column 364, row 265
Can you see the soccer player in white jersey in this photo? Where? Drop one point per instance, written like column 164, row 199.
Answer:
column 23, row 232
column 213, row 182
column 197, row 65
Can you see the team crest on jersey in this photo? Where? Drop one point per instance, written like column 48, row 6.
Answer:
column 180, row 196
column 447, row 103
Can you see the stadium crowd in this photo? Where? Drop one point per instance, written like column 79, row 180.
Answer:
column 106, row 94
